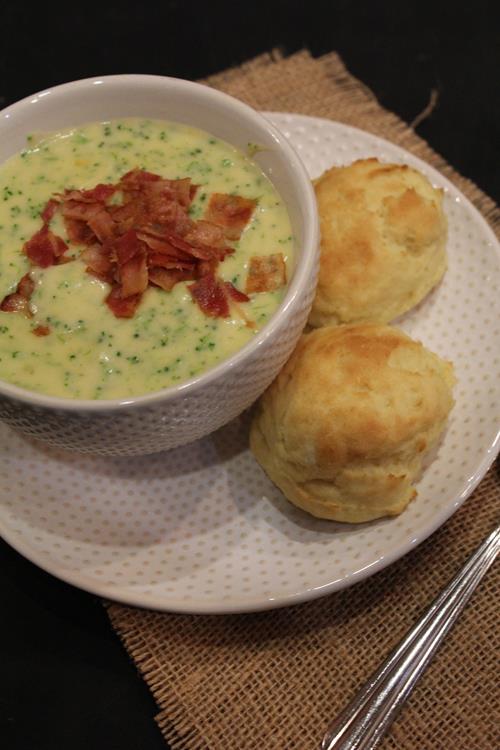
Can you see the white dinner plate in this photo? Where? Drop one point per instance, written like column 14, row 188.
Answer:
column 200, row 528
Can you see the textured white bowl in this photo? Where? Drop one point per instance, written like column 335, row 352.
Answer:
column 180, row 414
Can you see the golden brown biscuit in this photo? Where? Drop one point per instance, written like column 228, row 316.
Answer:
column 383, row 236
column 344, row 427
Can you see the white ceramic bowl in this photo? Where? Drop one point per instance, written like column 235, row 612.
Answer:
column 180, row 414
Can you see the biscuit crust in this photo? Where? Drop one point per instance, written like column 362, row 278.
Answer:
column 383, row 238
column 344, row 427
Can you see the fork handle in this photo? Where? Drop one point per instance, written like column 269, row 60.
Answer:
column 364, row 721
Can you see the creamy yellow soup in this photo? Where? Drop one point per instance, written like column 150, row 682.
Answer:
column 89, row 353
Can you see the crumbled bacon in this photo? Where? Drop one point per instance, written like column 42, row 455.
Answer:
column 170, row 216
column 177, row 191
column 206, row 233
column 98, row 262
column 124, row 215
column 45, row 247
column 167, row 278
column 122, row 307
column 215, row 297
column 102, row 225
column 166, row 261
column 235, row 294
column 16, row 303
column 41, row 331
column 210, row 295
column 145, row 236
column 26, row 286
column 136, row 179
column 134, row 276
column 206, row 266
column 126, row 247
column 231, row 212
column 19, row 300
column 159, row 246
column 79, row 232
column 266, row 273
column 99, row 194
column 48, row 212
column 80, row 210
column 178, row 242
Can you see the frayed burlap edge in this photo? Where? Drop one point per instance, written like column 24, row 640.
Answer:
column 360, row 108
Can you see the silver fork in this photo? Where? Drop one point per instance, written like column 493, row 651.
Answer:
column 364, row 721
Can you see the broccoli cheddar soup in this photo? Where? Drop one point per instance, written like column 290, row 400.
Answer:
column 134, row 255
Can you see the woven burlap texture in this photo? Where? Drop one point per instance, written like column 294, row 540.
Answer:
column 272, row 681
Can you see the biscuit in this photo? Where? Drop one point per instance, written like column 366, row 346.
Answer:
column 343, row 428
column 383, row 237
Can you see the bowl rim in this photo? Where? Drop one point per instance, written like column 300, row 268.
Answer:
column 302, row 272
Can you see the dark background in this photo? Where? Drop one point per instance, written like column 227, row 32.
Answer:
column 66, row 681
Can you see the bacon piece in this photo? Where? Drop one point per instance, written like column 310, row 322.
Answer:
column 122, row 307
column 102, row 225
column 206, row 266
column 41, row 331
column 205, row 233
column 235, row 294
column 163, row 247
column 231, row 212
column 211, row 253
column 48, row 212
column 19, row 300
column 81, row 210
column 213, row 296
column 59, row 246
column 266, row 273
column 100, row 194
column 158, row 201
column 99, row 262
column 207, row 241
column 178, row 191
column 124, row 216
column 178, row 242
column 210, row 296
column 26, row 286
column 79, row 232
column 166, row 213
column 15, row 303
column 172, row 219
column 44, row 248
column 134, row 276
column 126, row 247
column 168, row 278
column 165, row 261
column 202, row 252
column 84, row 215
column 235, row 297
column 137, row 178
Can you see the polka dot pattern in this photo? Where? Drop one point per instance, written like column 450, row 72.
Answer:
column 200, row 528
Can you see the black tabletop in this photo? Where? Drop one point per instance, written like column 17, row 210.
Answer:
column 66, row 680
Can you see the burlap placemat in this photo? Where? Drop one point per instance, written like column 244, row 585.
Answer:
column 272, row 681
